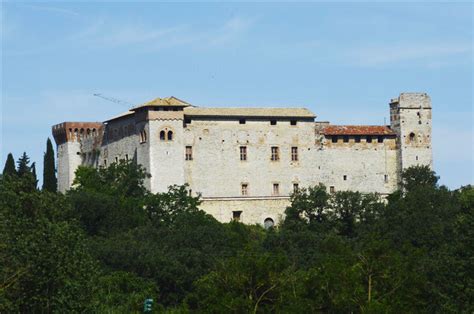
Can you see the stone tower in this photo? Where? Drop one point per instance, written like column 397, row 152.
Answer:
column 69, row 138
column 162, row 120
column 410, row 117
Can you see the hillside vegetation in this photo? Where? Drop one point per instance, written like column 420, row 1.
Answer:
column 109, row 244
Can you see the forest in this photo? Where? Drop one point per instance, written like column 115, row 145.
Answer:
column 108, row 244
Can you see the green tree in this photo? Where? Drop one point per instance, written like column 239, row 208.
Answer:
column 9, row 168
column 23, row 165
column 50, row 182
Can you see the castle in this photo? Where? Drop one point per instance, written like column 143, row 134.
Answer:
column 245, row 162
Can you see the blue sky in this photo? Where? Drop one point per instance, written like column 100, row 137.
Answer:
column 344, row 61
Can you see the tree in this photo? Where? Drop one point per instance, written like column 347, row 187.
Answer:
column 33, row 173
column 50, row 182
column 9, row 168
column 23, row 165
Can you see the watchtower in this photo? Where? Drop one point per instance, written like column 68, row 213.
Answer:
column 69, row 137
column 410, row 116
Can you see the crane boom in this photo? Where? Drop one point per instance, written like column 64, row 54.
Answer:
column 114, row 100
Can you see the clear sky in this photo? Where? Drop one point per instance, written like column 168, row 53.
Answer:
column 343, row 61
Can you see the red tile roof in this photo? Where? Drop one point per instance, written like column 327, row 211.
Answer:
column 358, row 130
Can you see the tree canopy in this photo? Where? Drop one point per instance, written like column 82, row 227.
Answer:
column 109, row 244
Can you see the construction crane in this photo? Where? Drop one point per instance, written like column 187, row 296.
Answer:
column 114, row 100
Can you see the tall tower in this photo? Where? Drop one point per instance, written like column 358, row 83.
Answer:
column 410, row 117
column 69, row 137
column 163, row 120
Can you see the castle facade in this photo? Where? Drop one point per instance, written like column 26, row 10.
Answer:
column 245, row 162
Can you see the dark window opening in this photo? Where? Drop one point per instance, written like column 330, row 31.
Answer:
column 369, row 139
column 346, row 139
column 273, row 122
column 385, row 178
column 344, row 177
column 296, row 187
column 170, row 135
column 293, row 122
column 162, row 135
column 187, row 121
column 412, row 137
column 242, row 121
column 334, row 139
column 332, row 189
column 276, row 189
column 275, row 154
column 294, row 154
column 236, row 215
column 244, row 189
column 357, row 139
column 243, row 153
column 380, row 139
column 189, row 153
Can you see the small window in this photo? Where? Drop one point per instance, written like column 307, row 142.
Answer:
column 293, row 122
column 332, row 189
column 242, row 121
column 170, row 135
column 244, row 189
column 346, row 139
column 276, row 189
column 142, row 136
column 380, row 139
column 243, row 153
column 296, row 187
column 190, row 192
column 162, row 136
column 268, row 223
column 187, row 121
column 416, row 157
column 126, row 157
column 369, row 139
column 273, row 122
column 334, row 139
column 357, row 138
column 116, row 159
column 189, row 153
column 412, row 137
column 294, row 154
column 344, row 177
column 105, row 162
column 275, row 154
column 236, row 215
column 385, row 178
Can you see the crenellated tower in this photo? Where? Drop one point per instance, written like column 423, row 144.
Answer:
column 71, row 137
column 410, row 117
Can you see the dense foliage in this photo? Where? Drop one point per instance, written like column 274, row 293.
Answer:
column 109, row 244
column 50, row 183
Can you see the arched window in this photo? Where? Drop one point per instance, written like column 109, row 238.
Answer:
column 162, row 135
column 268, row 223
column 170, row 135
column 412, row 137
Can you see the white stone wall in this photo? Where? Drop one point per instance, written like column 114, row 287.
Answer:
column 68, row 158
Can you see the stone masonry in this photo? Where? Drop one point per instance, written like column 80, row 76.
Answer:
column 245, row 162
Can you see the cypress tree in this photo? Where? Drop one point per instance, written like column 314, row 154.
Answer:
column 9, row 168
column 23, row 165
column 33, row 172
column 50, row 182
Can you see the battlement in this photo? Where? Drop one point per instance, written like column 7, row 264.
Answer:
column 75, row 131
column 412, row 101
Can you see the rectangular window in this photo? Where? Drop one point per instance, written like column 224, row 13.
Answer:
column 294, row 154
column 276, row 189
column 126, row 157
column 189, row 153
column 245, row 189
column 369, row 139
column 346, row 139
column 242, row 121
column 332, row 189
column 105, row 162
column 273, row 122
column 296, row 187
column 357, row 138
column 385, row 178
column 334, row 139
column 243, row 153
column 275, row 154
column 344, row 177
column 187, row 121
column 293, row 122
column 380, row 139
column 236, row 215
column 116, row 159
